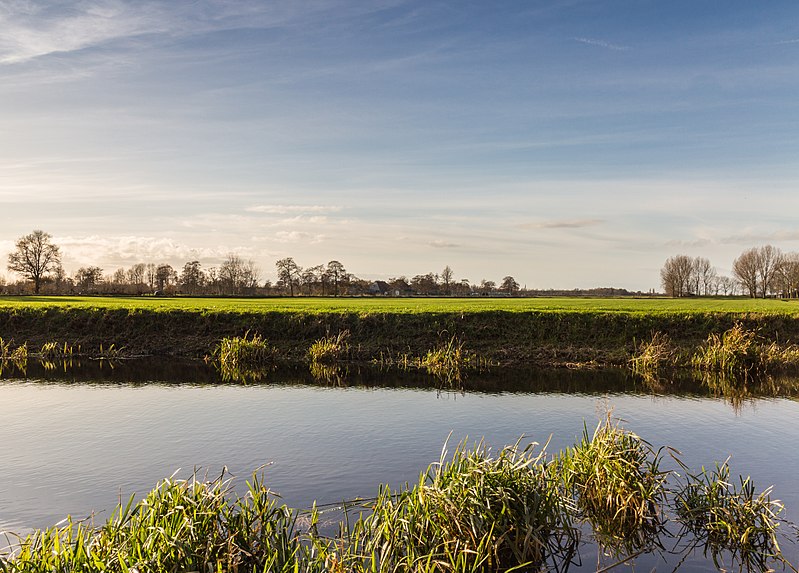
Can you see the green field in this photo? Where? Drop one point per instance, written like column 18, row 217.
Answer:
column 413, row 305
column 542, row 331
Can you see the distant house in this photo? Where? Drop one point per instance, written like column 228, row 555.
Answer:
column 380, row 288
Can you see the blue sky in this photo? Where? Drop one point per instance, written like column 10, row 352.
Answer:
column 567, row 143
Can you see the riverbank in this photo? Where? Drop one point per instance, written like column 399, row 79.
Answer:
column 541, row 332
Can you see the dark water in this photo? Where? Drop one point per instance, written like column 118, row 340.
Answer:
column 75, row 442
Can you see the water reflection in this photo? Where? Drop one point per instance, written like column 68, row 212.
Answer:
column 76, row 439
column 569, row 381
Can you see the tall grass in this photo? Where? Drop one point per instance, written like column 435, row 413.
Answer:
column 729, row 519
column 9, row 353
column 243, row 358
column 654, row 355
column 330, row 349
column 520, row 510
column 472, row 513
column 739, row 353
column 616, row 483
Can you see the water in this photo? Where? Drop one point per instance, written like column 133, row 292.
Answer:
column 78, row 442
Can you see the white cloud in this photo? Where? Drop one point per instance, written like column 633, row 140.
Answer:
column 563, row 224
column 286, row 209
column 440, row 244
column 602, row 44
column 298, row 236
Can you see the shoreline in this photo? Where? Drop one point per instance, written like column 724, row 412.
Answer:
column 541, row 338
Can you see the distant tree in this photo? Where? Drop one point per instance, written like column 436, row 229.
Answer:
column 150, row 273
column 165, row 276
column 446, row 280
column 87, row 278
column 336, row 272
column 119, row 277
column 789, row 276
column 757, row 269
column 192, row 277
column 425, row 284
column 677, row 275
column 250, row 276
column 704, row 276
column 34, row 257
column 769, row 262
column 487, row 287
column 288, row 273
column 509, row 285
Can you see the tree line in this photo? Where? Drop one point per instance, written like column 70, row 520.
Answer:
column 757, row 272
column 38, row 260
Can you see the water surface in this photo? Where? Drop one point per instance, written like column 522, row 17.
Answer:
column 77, row 444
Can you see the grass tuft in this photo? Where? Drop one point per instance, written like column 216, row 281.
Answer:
column 726, row 518
column 244, row 359
column 615, row 480
column 330, row 349
column 654, row 355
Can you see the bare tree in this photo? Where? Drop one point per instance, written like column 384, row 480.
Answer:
column 704, row 276
column 165, row 276
column 769, row 262
column 87, row 278
column 676, row 276
column 757, row 269
column 789, row 276
column 744, row 269
column 34, row 257
column 446, row 280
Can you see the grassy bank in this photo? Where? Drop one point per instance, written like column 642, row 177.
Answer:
column 520, row 331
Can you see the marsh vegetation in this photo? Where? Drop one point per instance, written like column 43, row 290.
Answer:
column 520, row 509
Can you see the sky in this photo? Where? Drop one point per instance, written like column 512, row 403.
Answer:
column 568, row 143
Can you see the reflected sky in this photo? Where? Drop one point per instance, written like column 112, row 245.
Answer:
column 77, row 448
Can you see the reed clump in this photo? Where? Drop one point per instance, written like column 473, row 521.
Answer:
column 472, row 513
column 735, row 352
column 243, row 359
column 732, row 519
column 10, row 353
column 653, row 356
column 520, row 510
column 330, row 349
column 616, row 484
column 449, row 361
column 56, row 351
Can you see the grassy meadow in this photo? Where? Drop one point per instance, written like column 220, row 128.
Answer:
column 521, row 331
column 653, row 305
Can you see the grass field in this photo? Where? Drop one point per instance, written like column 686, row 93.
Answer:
column 413, row 305
column 544, row 331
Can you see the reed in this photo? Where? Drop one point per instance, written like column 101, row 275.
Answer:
column 472, row 513
column 617, row 486
column 520, row 510
column 55, row 351
column 449, row 361
column 731, row 519
column 734, row 353
column 243, row 359
column 654, row 355
column 330, row 349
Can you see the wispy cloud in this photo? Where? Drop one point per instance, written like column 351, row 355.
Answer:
column 786, row 42
column 287, row 209
column 298, row 237
column 440, row 244
column 602, row 44
column 563, row 224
